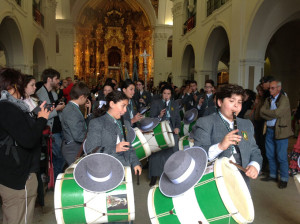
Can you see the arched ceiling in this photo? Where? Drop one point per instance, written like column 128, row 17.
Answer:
column 89, row 11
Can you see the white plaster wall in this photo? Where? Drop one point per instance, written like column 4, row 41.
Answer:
column 30, row 30
column 65, row 57
column 249, row 26
column 162, row 64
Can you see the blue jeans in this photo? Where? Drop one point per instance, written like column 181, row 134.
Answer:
column 58, row 159
column 276, row 151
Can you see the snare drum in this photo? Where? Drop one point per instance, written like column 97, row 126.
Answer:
column 141, row 145
column 75, row 205
column 185, row 129
column 221, row 196
column 161, row 137
column 185, row 142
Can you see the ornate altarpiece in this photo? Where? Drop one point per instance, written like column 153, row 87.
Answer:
column 107, row 43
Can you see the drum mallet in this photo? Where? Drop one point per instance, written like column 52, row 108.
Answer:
column 138, row 177
column 238, row 166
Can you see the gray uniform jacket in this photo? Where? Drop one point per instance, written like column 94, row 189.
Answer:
column 103, row 132
column 146, row 96
column 208, row 102
column 134, row 112
column 73, row 123
column 211, row 130
column 158, row 105
column 43, row 96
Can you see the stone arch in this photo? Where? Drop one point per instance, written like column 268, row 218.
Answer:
column 268, row 17
column 39, row 58
column 11, row 42
column 188, row 62
column 217, row 49
column 145, row 5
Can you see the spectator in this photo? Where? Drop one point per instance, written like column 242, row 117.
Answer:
column 47, row 93
column 276, row 110
column 21, row 134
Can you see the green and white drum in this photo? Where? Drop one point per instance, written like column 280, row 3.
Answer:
column 140, row 145
column 221, row 196
column 185, row 129
column 161, row 137
column 75, row 205
column 185, row 142
column 297, row 181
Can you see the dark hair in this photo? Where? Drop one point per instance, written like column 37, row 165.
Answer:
column 210, row 82
column 126, row 84
column 227, row 91
column 109, row 84
column 78, row 90
column 169, row 87
column 141, row 81
column 49, row 73
column 187, row 82
column 11, row 78
column 193, row 81
column 251, row 94
column 27, row 79
column 114, row 96
column 161, row 84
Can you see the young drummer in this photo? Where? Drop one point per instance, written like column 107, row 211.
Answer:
column 164, row 109
column 217, row 135
column 73, row 123
column 106, row 132
column 131, row 114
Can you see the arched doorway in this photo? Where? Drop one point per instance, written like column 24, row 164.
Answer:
column 217, row 56
column 272, row 44
column 102, row 26
column 282, row 59
column 39, row 60
column 188, row 63
column 11, row 47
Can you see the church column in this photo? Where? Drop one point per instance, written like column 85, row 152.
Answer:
column 97, row 57
column 141, row 66
column 251, row 72
column 130, row 64
column 106, row 61
column 87, row 57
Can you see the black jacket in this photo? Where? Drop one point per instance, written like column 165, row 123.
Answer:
column 26, row 136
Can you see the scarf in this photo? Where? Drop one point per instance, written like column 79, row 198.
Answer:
column 18, row 102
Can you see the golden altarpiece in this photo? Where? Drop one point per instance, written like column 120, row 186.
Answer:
column 109, row 42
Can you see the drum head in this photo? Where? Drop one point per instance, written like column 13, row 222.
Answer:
column 234, row 191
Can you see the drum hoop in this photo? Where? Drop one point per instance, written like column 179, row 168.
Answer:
column 225, row 195
column 151, row 207
column 169, row 133
column 57, row 199
column 130, row 194
column 143, row 141
column 165, row 132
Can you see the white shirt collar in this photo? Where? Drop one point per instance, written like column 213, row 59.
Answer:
column 74, row 103
column 229, row 122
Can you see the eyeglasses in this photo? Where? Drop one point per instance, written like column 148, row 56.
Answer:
column 273, row 87
column 208, row 87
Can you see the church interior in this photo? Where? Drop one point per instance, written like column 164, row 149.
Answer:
column 228, row 41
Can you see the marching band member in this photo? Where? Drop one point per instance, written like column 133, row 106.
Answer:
column 106, row 132
column 164, row 109
column 142, row 97
column 217, row 135
column 131, row 113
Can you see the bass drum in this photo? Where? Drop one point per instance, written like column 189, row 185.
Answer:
column 221, row 196
column 75, row 205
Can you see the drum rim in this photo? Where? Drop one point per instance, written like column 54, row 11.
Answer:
column 231, row 208
column 166, row 136
column 57, row 199
column 143, row 140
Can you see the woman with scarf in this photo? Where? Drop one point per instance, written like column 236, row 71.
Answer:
column 20, row 136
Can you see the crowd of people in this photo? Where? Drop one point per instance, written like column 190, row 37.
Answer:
column 88, row 120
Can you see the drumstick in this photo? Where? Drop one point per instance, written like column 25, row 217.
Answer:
column 138, row 177
column 238, row 166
